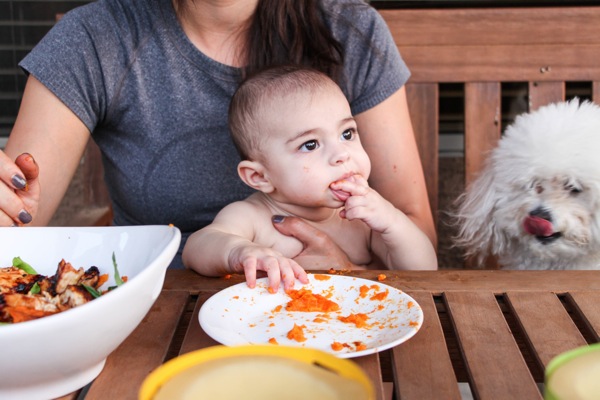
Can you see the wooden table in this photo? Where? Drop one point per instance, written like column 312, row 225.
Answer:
column 495, row 330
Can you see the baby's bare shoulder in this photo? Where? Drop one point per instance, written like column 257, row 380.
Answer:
column 250, row 210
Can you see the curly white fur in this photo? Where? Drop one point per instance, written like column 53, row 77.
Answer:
column 546, row 166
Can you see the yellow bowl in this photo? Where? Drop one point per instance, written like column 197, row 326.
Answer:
column 574, row 375
column 257, row 372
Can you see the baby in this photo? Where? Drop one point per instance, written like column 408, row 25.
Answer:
column 302, row 153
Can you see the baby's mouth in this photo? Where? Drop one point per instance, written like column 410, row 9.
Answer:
column 341, row 195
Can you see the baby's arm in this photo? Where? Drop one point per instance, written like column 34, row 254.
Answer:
column 226, row 246
column 395, row 239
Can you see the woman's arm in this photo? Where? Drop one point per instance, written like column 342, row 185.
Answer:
column 55, row 138
column 397, row 174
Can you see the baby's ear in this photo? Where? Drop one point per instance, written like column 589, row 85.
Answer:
column 253, row 175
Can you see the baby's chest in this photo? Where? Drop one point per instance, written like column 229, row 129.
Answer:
column 353, row 239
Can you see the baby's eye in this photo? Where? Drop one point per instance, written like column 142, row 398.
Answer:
column 348, row 134
column 311, row 145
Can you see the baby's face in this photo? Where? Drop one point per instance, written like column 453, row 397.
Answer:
column 312, row 142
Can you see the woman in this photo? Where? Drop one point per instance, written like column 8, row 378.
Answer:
column 151, row 82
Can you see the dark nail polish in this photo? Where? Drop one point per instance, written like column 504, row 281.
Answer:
column 25, row 217
column 278, row 218
column 18, row 181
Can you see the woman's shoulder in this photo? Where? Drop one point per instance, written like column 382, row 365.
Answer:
column 111, row 16
column 353, row 14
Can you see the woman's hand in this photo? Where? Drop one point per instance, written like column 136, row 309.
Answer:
column 320, row 252
column 20, row 191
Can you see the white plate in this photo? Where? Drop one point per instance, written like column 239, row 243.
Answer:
column 239, row 315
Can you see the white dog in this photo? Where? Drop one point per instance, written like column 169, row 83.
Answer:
column 536, row 204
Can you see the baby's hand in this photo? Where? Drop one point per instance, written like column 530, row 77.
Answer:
column 365, row 203
column 251, row 259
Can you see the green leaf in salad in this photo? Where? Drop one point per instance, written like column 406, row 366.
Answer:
column 94, row 292
column 17, row 262
column 35, row 289
column 118, row 279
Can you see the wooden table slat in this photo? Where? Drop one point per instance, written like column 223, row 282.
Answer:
column 371, row 365
column 435, row 282
column 424, row 359
column 468, row 338
column 143, row 351
column 493, row 359
column 588, row 304
column 548, row 327
column 195, row 337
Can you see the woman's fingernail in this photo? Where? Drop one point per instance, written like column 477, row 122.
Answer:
column 25, row 217
column 18, row 181
column 278, row 218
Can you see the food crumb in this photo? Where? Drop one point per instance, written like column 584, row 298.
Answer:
column 381, row 277
column 337, row 346
column 277, row 309
column 321, row 277
column 297, row 333
column 380, row 296
column 360, row 319
column 273, row 341
column 228, row 276
column 360, row 346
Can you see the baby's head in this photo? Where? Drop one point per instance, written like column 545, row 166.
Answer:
column 295, row 132
column 252, row 106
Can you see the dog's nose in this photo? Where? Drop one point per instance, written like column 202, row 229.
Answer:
column 541, row 212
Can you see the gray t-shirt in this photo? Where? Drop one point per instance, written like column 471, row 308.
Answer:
column 157, row 106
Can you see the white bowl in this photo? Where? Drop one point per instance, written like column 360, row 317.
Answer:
column 58, row 354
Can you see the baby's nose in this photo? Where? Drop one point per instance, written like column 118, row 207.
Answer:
column 340, row 157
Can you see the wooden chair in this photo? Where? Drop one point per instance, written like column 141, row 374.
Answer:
column 482, row 48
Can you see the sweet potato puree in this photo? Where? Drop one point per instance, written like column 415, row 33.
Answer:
column 307, row 301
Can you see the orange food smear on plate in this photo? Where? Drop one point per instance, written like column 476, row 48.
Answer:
column 364, row 290
column 380, row 296
column 321, row 277
column 359, row 319
column 307, row 301
column 337, row 346
column 360, row 346
column 297, row 333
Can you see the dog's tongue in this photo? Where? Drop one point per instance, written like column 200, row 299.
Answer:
column 538, row 226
